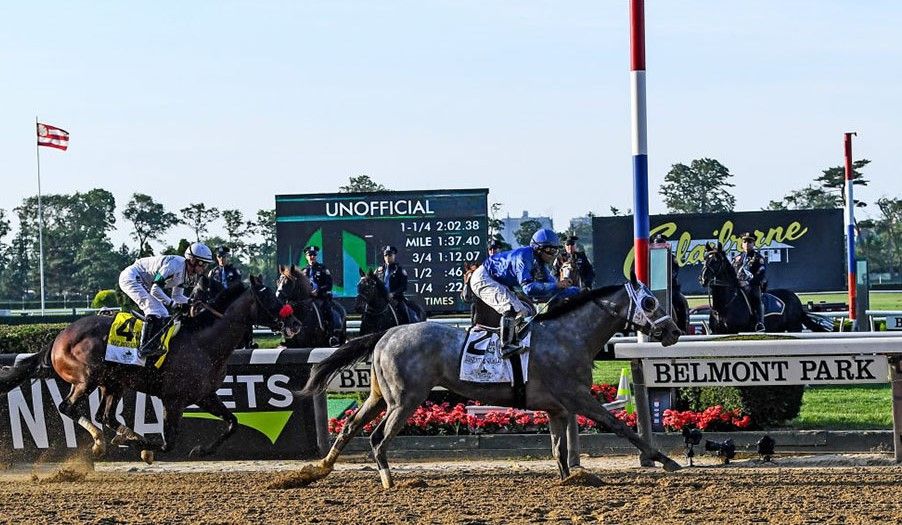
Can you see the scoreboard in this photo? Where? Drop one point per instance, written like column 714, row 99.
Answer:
column 435, row 232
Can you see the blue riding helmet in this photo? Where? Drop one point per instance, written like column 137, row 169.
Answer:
column 545, row 238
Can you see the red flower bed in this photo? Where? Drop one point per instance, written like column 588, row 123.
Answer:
column 712, row 418
column 432, row 419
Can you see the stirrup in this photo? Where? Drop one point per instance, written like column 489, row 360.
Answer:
column 510, row 350
column 333, row 342
column 150, row 353
column 759, row 327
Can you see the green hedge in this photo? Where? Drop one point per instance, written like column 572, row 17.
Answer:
column 23, row 339
column 105, row 299
column 767, row 405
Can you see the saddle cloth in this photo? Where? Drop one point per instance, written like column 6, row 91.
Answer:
column 481, row 361
column 125, row 336
column 772, row 305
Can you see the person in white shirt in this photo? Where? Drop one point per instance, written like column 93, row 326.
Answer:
column 146, row 282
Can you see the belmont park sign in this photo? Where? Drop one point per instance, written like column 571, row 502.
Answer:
column 761, row 371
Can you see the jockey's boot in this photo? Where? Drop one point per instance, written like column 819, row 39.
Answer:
column 152, row 336
column 510, row 336
column 759, row 317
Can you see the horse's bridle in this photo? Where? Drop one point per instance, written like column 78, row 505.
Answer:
column 636, row 313
column 272, row 316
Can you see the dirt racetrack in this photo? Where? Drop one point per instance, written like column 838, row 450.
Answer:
column 863, row 490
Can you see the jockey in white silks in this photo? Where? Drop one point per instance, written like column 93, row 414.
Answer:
column 146, row 282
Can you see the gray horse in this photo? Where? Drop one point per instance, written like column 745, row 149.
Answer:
column 409, row 360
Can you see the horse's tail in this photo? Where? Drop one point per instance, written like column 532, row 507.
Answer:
column 25, row 369
column 346, row 355
column 817, row 323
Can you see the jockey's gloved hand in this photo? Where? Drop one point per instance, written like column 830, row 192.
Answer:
column 181, row 308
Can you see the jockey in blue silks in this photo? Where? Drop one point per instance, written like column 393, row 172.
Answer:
column 525, row 269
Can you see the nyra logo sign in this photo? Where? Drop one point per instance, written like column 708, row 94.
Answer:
column 759, row 371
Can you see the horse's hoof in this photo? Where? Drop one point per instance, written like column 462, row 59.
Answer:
column 385, row 475
column 147, row 456
column 671, row 465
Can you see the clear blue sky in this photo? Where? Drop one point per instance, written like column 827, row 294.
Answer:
column 230, row 103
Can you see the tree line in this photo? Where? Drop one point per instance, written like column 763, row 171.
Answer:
column 704, row 187
column 80, row 259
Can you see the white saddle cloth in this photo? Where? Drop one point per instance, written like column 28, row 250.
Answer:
column 481, row 361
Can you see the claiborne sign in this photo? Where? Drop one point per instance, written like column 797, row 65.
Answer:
column 804, row 248
column 761, row 371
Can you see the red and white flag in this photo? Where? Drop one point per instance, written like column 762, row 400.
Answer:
column 53, row 137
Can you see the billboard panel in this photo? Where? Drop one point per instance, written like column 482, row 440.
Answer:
column 804, row 248
column 435, row 233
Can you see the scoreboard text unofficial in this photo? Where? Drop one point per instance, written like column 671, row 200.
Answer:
column 435, row 232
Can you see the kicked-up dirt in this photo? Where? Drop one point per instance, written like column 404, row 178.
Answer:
column 786, row 492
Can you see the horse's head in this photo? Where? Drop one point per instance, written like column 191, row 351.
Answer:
column 716, row 268
column 370, row 288
column 645, row 311
column 292, row 285
column 271, row 312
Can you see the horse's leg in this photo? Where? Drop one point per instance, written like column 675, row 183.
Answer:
column 367, row 412
column 585, row 404
column 172, row 418
column 573, row 449
column 395, row 419
column 557, row 425
column 215, row 406
column 81, row 415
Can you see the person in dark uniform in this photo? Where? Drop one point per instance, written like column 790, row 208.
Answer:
column 224, row 274
column 573, row 264
column 494, row 246
column 394, row 277
column 321, row 281
column 751, row 270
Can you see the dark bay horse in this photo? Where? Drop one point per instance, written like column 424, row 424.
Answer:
column 408, row 361
column 730, row 309
column 378, row 311
column 294, row 288
column 191, row 373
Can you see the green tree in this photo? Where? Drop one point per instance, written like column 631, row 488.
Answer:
column 827, row 192
column 807, row 198
column 526, row 230
column 149, row 219
column 889, row 225
column 235, row 228
column 198, row 217
column 495, row 225
column 833, row 180
column 361, row 184
column 262, row 254
column 701, row 187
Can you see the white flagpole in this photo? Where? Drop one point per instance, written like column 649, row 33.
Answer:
column 40, row 213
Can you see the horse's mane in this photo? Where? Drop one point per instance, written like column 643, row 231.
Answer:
column 295, row 273
column 220, row 303
column 380, row 289
column 570, row 304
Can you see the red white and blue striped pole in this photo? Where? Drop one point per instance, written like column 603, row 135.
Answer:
column 850, row 230
column 639, row 138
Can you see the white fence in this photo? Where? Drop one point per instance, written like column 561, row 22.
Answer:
column 823, row 358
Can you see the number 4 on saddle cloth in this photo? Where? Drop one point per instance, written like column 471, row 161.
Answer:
column 125, row 336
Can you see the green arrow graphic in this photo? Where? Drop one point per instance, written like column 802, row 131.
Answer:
column 269, row 423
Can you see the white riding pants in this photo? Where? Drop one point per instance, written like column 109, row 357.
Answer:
column 496, row 295
column 131, row 283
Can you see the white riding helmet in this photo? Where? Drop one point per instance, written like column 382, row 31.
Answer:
column 199, row 251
